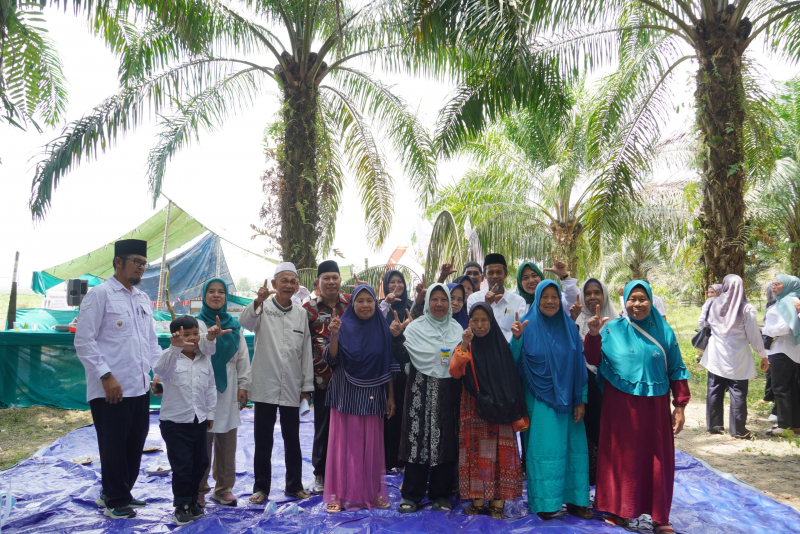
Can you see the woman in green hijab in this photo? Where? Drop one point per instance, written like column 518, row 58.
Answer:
column 529, row 275
column 231, row 363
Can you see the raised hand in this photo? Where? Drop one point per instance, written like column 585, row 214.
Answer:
column 263, row 294
column 447, row 269
column 559, row 267
column 421, row 290
column 466, row 339
column 391, row 297
column 575, row 309
column 596, row 324
column 177, row 340
column 336, row 323
column 216, row 331
column 492, row 296
column 517, row 328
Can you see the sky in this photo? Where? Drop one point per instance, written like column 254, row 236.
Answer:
column 216, row 179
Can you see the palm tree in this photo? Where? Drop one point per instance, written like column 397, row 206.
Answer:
column 656, row 37
column 199, row 55
column 32, row 84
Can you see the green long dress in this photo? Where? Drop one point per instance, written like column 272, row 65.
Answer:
column 556, row 454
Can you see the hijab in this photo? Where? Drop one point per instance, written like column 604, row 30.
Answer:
column 634, row 364
column 785, row 304
column 717, row 289
column 552, row 366
column 426, row 336
column 365, row 345
column 770, row 299
column 725, row 311
column 606, row 310
column 460, row 317
column 401, row 304
column 227, row 344
column 466, row 279
column 522, row 293
column 499, row 398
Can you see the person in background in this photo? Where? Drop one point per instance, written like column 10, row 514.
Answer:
column 281, row 377
column 469, row 286
column 549, row 356
column 187, row 411
column 783, row 325
column 492, row 412
column 359, row 396
column 768, row 394
column 319, row 310
column 595, row 293
column 429, row 437
column 529, row 275
column 458, row 304
column 734, row 329
column 397, row 307
column 231, row 363
column 638, row 363
column 714, row 290
column 505, row 304
column 117, row 344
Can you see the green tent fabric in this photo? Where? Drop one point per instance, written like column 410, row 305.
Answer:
column 45, row 319
column 241, row 301
column 42, row 281
column 98, row 263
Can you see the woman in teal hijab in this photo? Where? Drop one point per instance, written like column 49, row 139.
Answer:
column 783, row 325
column 638, row 363
column 231, row 363
column 529, row 275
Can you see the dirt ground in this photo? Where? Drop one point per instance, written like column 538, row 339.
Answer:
column 24, row 430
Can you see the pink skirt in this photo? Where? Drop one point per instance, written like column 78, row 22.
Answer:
column 354, row 471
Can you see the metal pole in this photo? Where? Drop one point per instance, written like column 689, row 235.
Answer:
column 163, row 257
column 219, row 253
column 12, row 301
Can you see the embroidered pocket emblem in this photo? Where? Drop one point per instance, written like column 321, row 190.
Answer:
column 119, row 323
column 656, row 354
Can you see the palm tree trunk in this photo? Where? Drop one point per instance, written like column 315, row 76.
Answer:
column 565, row 236
column 720, row 116
column 299, row 211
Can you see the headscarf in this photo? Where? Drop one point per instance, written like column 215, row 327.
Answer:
column 461, row 317
column 634, row 364
column 606, row 310
column 529, row 298
column 401, row 304
column 365, row 345
column 770, row 299
column 725, row 311
column 552, row 366
column 466, row 279
column 717, row 289
column 499, row 398
column 426, row 336
column 785, row 305
column 227, row 344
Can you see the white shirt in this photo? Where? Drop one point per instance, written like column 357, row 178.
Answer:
column 189, row 387
column 282, row 365
column 238, row 372
column 730, row 356
column 116, row 334
column 776, row 327
column 505, row 309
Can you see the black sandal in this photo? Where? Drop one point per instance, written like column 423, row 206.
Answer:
column 442, row 505
column 407, row 506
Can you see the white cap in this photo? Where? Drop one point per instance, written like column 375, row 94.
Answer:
column 285, row 266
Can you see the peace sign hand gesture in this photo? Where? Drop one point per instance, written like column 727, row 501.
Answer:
column 596, row 324
column 216, row 331
column 335, row 324
column 559, row 267
column 518, row 328
column 263, row 294
column 396, row 328
column 491, row 295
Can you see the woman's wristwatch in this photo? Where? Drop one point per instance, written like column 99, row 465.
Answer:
column 564, row 277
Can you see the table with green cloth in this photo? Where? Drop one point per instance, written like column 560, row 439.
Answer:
column 41, row 368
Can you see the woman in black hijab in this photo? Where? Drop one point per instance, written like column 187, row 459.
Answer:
column 492, row 412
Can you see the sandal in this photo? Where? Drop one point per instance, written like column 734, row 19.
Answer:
column 442, row 505
column 381, row 503
column 302, row 494
column 472, row 510
column 333, row 508
column 665, row 528
column 581, row 512
column 616, row 520
column 407, row 506
column 496, row 512
column 226, row 499
column 547, row 516
column 258, row 497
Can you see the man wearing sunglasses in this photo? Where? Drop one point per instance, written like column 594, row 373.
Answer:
column 117, row 344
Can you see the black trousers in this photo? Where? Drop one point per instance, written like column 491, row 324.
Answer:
column 416, row 481
column 322, row 425
column 188, row 458
column 264, row 417
column 786, row 390
column 392, row 428
column 121, row 432
column 715, row 404
column 768, row 395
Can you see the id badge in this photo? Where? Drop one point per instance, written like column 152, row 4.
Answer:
column 445, row 356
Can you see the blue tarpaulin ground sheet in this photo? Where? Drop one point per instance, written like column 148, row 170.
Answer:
column 57, row 495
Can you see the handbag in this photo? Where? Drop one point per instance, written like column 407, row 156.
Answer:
column 700, row 339
column 767, row 341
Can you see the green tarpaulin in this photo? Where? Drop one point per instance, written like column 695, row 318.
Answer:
column 45, row 319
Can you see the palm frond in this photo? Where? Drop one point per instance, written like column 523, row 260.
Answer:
column 330, row 177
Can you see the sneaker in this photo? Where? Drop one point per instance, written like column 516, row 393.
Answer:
column 779, row 432
column 135, row 503
column 120, row 512
column 183, row 514
column 101, row 501
column 196, row 510
column 772, row 417
column 319, row 485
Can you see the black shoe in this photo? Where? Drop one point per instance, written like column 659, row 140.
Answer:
column 120, row 512
column 183, row 515
column 716, row 431
column 196, row 510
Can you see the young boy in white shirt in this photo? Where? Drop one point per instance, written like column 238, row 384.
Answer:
column 187, row 412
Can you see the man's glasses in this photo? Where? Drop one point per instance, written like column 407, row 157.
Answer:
column 138, row 263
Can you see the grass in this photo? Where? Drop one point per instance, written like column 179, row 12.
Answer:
column 24, row 430
column 23, row 301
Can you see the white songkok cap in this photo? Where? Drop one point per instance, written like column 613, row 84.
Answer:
column 285, row 266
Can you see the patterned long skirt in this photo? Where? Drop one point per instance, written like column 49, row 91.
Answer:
column 489, row 465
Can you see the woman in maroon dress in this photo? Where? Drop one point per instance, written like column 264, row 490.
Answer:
column 638, row 362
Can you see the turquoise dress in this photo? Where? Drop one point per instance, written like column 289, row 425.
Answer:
column 556, row 454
